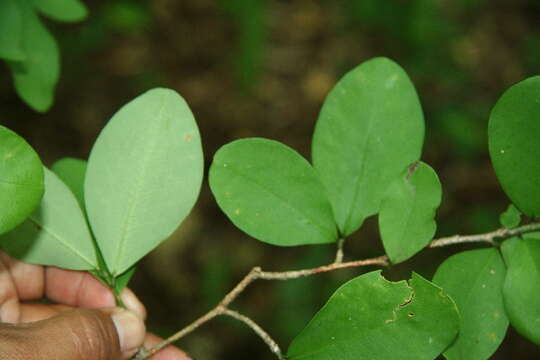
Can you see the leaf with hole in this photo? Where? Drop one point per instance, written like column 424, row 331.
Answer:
column 143, row 177
column 72, row 172
column 272, row 193
column 21, row 180
column 370, row 128
column 513, row 133
column 407, row 214
column 372, row 318
column 474, row 279
column 56, row 233
column 522, row 286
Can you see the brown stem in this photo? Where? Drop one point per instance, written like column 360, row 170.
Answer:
column 257, row 273
column 274, row 347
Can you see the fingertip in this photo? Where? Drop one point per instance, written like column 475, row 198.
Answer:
column 133, row 303
column 168, row 353
column 130, row 329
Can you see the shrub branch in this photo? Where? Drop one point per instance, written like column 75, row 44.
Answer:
column 257, row 273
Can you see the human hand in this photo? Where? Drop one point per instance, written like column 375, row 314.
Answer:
column 82, row 323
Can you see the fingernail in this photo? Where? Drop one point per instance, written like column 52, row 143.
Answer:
column 130, row 329
column 132, row 303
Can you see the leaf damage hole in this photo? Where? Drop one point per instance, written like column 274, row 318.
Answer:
column 410, row 314
column 412, row 169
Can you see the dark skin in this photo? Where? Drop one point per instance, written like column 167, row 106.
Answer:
column 82, row 322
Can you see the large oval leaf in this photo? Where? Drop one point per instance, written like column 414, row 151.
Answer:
column 143, row 177
column 56, row 233
column 11, row 30
column 370, row 128
column 372, row 318
column 62, row 10
column 36, row 76
column 272, row 193
column 21, row 180
column 474, row 279
column 407, row 215
column 522, row 286
column 514, row 130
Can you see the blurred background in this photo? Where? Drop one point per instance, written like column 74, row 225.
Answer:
column 262, row 68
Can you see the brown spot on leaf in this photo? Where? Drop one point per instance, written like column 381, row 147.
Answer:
column 188, row 137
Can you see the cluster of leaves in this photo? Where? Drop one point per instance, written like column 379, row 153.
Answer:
column 30, row 50
column 142, row 179
column 366, row 160
column 145, row 171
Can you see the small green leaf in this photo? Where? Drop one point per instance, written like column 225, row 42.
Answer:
column 272, row 193
column 21, row 180
column 522, row 286
column 62, row 10
column 474, row 279
column 370, row 128
column 507, row 249
column 372, row 318
column 407, row 215
column 11, row 30
column 513, row 132
column 56, row 233
column 511, row 217
column 123, row 279
column 35, row 78
column 72, row 172
column 144, row 175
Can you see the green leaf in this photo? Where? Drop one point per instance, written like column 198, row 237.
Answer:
column 272, row 193
column 370, row 128
column 62, row 10
column 56, row 233
column 522, row 286
column 123, row 279
column 21, row 180
column 372, row 318
column 511, row 217
column 72, row 172
column 507, row 249
column 143, row 177
column 11, row 30
column 407, row 214
column 513, row 135
column 474, row 279
column 35, row 78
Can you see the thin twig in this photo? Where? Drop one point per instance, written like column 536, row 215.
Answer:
column 257, row 273
column 502, row 233
column 274, row 347
column 339, row 252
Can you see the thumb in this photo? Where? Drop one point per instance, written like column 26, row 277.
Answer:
column 81, row 334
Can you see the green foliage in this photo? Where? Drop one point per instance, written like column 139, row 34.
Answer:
column 62, row 10
column 369, row 130
column 272, row 193
column 407, row 215
column 522, row 286
column 56, row 233
column 514, row 131
column 474, row 279
column 373, row 318
column 511, row 217
column 21, row 180
column 72, row 172
column 143, row 177
column 11, row 30
column 30, row 50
